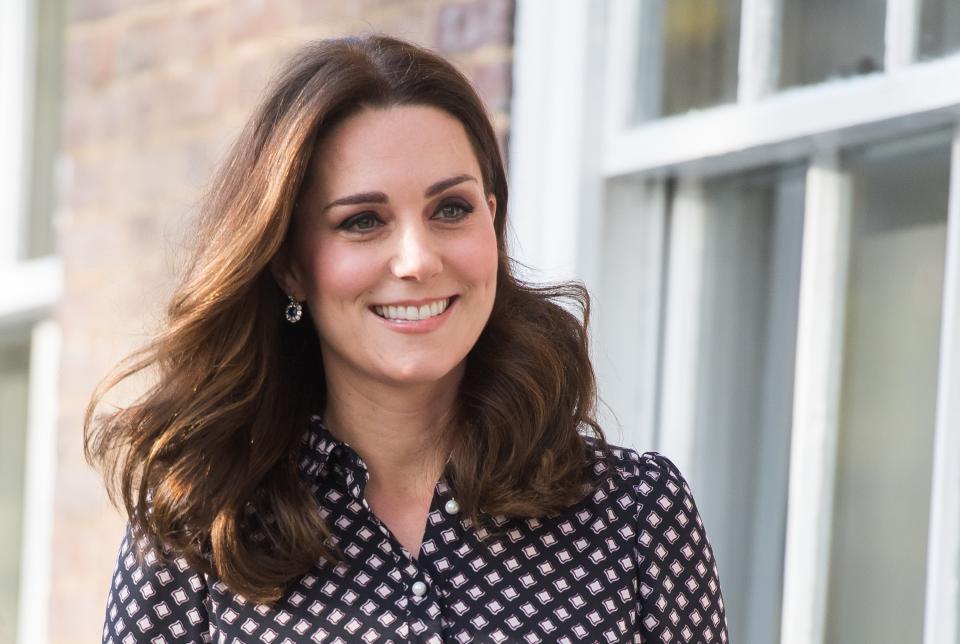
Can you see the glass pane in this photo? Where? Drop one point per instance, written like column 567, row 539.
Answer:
column 745, row 364
column 939, row 28
column 889, row 383
column 14, row 361
column 688, row 56
column 46, row 128
column 824, row 39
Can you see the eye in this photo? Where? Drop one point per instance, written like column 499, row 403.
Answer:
column 454, row 210
column 363, row 222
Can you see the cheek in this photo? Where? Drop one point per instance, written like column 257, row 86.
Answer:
column 341, row 273
column 477, row 258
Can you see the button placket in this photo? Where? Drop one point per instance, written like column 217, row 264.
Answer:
column 419, row 582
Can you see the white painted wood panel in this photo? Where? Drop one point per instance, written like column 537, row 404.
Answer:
column 16, row 88
column 810, row 118
column 816, row 397
column 941, row 619
column 41, row 467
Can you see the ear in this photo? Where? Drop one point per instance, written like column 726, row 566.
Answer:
column 286, row 274
column 492, row 204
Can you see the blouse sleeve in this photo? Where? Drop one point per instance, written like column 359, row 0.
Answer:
column 679, row 586
column 154, row 601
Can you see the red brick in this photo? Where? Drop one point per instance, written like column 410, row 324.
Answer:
column 249, row 19
column 200, row 32
column 461, row 27
column 336, row 10
column 90, row 120
column 89, row 61
column 493, row 83
column 84, row 10
column 414, row 24
column 145, row 43
column 80, row 10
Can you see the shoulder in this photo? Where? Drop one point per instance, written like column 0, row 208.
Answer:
column 649, row 498
column 155, row 594
column 644, row 470
column 649, row 482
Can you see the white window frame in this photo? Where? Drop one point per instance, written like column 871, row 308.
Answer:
column 576, row 161
column 16, row 61
column 941, row 620
column 817, row 378
column 29, row 292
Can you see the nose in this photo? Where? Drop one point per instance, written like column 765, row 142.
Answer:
column 416, row 257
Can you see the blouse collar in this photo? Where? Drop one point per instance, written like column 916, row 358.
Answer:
column 321, row 447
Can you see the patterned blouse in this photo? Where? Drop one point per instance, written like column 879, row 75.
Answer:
column 630, row 563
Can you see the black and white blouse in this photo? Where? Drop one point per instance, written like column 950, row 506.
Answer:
column 630, row 563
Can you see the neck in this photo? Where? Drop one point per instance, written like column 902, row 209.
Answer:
column 399, row 432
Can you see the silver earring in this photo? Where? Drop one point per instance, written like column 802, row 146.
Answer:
column 294, row 311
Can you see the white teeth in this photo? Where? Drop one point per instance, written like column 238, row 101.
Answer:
column 412, row 313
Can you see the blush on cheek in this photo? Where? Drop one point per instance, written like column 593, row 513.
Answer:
column 476, row 257
column 344, row 274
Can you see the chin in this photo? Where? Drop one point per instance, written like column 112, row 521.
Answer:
column 419, row 373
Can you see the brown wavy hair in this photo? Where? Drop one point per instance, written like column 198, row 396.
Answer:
column 219, row 432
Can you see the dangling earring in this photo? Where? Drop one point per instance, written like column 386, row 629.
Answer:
column 294, row 311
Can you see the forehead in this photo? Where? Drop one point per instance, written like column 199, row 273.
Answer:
column 409, row 142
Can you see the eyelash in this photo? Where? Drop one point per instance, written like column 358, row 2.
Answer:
column 349, row 223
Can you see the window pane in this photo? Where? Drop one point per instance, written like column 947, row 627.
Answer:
column 14, row 361
column 745, row 364
column 46, row 128
column 824, row 39
column 939, row 28
column 689, row 51
column 886, row 417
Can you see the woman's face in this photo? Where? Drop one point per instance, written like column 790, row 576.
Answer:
column 394, row 250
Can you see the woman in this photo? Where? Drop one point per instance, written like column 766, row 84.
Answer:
column 364, row 427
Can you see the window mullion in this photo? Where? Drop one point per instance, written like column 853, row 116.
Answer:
column 16, row 66
column 816, row 397
column 901, row 33
column 943, row 555
column 548, row 115
column 627, row 310
column 682, row 328
column 38, row 506
column 621, row 65
column 759, row 63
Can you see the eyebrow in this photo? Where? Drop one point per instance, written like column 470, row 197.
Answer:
column 379, row 197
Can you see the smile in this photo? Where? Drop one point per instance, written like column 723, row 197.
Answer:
column 413, row 313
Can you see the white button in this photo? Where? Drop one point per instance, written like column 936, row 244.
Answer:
column 419, row 588
column 452, row 507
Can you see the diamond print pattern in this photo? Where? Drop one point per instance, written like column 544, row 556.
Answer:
column 630, row 563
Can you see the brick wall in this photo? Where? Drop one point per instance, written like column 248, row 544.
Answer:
column 155, row 91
